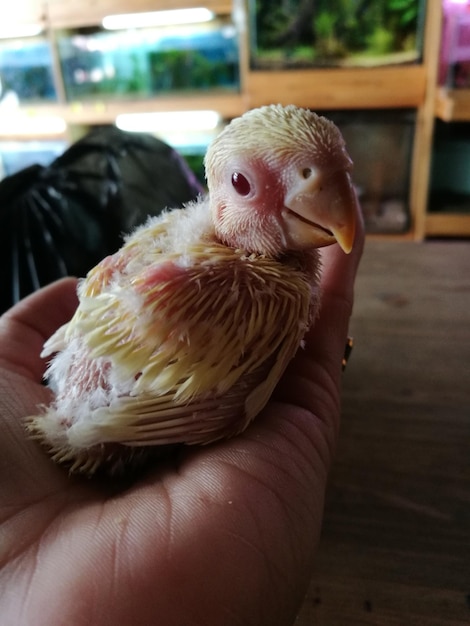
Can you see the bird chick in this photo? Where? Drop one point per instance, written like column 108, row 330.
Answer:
column 181, row 336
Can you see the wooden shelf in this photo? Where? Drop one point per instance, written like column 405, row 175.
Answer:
column 106, row 111
column 339, row 88
column 452, row 105
column 447, row 225
column 67, row 14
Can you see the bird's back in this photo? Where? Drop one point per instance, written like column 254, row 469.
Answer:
column 186, row 351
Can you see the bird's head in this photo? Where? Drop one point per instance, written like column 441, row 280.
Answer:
column 279, row 180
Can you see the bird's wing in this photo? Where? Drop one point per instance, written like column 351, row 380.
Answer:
column 113, row 269
column 194, row 340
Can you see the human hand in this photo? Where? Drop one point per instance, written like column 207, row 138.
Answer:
column 226, row 534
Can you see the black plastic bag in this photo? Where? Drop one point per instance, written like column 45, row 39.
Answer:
column 62, row 219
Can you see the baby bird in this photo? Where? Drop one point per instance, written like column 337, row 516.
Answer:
column 181, row 336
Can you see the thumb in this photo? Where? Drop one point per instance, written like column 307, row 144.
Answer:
column 326, row 341
column 25, row 327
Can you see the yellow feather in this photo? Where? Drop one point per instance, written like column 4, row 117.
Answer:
column 214, row 341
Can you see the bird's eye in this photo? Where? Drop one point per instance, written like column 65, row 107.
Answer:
column 241, row 184
column 306, row 172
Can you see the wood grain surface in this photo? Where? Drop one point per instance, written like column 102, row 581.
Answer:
column 395, row 549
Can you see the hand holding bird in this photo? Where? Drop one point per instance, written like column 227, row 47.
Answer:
column 222, row 534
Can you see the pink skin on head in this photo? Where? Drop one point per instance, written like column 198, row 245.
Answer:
column 247, row 206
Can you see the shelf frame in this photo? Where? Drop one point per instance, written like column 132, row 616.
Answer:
column 339, row 88
column 106, row 111
column 447, row 224
column 424, row 129
column 452, row 105
column 67, row 14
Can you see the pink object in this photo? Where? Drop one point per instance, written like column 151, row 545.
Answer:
column 455, row 44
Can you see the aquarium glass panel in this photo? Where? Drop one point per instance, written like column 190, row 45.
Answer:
column 25, row 71
column 149, row 62
column 380, row 145
column 17, row 155
column 450, row 172
column 309, row 33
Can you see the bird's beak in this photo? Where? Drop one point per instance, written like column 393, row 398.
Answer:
column 322, row 210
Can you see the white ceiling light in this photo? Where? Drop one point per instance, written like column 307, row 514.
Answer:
column 19, row 124
column 168, row 121
column 157, row 18
column 13, row 31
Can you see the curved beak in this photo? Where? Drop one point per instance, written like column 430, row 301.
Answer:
column 322, row 210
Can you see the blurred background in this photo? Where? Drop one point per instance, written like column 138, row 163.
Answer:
column 394, row 74
column 106, row 110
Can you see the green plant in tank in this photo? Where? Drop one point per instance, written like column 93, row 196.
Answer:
column 293, row 30
column 284, row 25
column 380, row 41
column 189, row 69
column 328, row 44
column 138, row 82
column 408, row 11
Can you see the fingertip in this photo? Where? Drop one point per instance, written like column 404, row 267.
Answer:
column 338, row 268
column 47, row 308
column 325, row 342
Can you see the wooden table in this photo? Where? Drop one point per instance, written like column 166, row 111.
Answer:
column 395, row 549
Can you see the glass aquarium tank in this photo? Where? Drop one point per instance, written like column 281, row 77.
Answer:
column 450, row 172
column 332, row 33
column 26, row 73
column 17, row 155
column 380, row 144
column 148, row 62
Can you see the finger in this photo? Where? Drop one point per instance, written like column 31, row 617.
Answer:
column 339, row 272
column 339, row 269
column 315, row 374
column 25, row 327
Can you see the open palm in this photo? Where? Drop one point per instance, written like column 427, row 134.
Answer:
column 220, row 535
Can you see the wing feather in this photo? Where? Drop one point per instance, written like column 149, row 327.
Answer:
column 218, row 331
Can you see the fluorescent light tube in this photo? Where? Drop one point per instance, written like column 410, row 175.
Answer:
column 157, row 18
column 34, row 125
column 12, row 31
